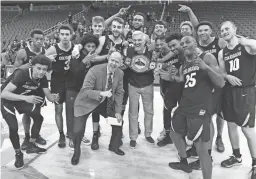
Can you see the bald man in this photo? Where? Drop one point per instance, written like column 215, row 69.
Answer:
column 102, row 92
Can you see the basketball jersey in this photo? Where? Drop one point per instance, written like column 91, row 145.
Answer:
column 108, row 44
column 196, row 99
column 61, row 66
column 31, row 54
column 241, row 64
column 22, row 79
column 212, row 48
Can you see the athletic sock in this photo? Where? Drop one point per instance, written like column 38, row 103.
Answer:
column 236, row 153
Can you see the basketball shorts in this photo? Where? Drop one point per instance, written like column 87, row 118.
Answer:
column 192, row 127
column 239, row 106
column 59, row 87
column 172, row 95
column 217, row 101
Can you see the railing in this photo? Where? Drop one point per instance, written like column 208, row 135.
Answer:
column 75, row 17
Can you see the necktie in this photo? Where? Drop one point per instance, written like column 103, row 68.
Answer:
column 110, row 102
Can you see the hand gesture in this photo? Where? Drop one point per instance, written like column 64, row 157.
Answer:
column 75, row 53
column 174, row 71
column 54, row 97
column 202, row 65
column 184, row 8
column 52, row 57
column 119, row 117
column 123, row 11
column 107, row 94
column 233, row 80
column 89, row 57
column 33, row 99
column 241, row 39
column 165, row 75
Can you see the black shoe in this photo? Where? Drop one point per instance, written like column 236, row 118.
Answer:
column 117, row 151
column 192, row 152
column 133, row 144
column 33, row 148
column 25, row 144
column 180, row 166
column 231, row 161
column 95, row 142
column 150, row 140
column 196, row 165
column 75, row 159
column 62, row 141
column 19, row 163
column 252, row 173
column 41, row 140
column 139, row 131
column 165, row 141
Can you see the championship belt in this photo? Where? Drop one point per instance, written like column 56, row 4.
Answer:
column 141, row 64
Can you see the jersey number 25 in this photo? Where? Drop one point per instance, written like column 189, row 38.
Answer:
column 190, row 80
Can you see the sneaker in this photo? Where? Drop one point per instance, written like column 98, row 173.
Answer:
column 231, row 161
column 95, row 142
column 86, row 141
column 150, row 140
column 180, row 166
column 252, row 173
column 192, row 152
column 19, row 163
column 139, row 130
column 133, row 144
column 25, row 144
column 165, row 141
column 219, row 145
column 162, row 135
column 71, row 144
column 33, row 148
column 41, row 140
column 62, row 141
column 196, row 165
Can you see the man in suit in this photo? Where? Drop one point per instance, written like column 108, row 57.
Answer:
column 102, row 92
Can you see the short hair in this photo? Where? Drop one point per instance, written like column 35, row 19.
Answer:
column 119, row 20
column 36, row 31
column 186, row 23
column 98, row 19
column 109, row 55
column 137, row 32
column 160, row 22
column 42, row 60
column 65, row 27
column 173, row 37
column 140, row 14
column 204, row 23
column 161, row 37
column 231, row 22
column 89, row 38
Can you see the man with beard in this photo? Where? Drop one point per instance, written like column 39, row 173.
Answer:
column 193, row 116
column 60, row 54
column 21, row 92
column 23, row 60
column 211, row 45
column 238, row 60
column 170, row 91
column 102, row 91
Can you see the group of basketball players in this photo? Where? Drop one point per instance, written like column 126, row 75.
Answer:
column 200, row 76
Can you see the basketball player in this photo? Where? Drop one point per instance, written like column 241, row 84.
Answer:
column 21, row 92
column 239, row 61
column 60, row 54
column 193, row 116
column 22, row 60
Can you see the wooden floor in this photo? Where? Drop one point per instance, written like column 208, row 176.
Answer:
column 144, row 162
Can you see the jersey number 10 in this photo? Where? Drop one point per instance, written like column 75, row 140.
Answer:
column 234, row 65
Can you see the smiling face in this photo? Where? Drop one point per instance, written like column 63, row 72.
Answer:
column 186, row 30
column 138, row 22
column 114, row 61
column 204, row 32
column 138, row 41
column 228, row 31
column 159, row 29
column 39, row 71
column 117, row 28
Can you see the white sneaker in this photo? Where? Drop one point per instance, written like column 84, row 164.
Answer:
column 162, row 135
column 86, row 141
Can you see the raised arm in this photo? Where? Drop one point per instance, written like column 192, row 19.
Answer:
column 20, row 58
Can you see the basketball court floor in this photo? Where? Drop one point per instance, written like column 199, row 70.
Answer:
column 144, row 162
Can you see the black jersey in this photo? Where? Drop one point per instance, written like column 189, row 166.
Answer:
column 196, row 99
column 61, row 66
column 26, row 85
column 31, row 54
column 212, row 48
column 241, row 64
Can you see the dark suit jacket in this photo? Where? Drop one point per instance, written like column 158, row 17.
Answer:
column 94, row 83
